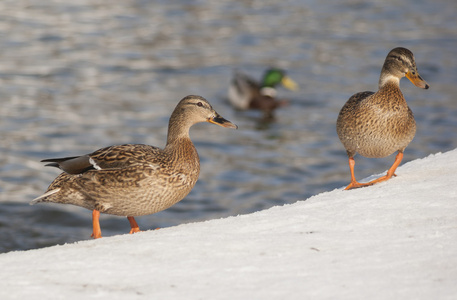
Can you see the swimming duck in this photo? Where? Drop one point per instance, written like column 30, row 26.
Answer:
column 378, row 124
column 134, row 179
column 245, row 93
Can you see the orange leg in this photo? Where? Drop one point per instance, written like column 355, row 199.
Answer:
column 354, row 183
column 133, row 225
column 391, row 171
column 97, row 232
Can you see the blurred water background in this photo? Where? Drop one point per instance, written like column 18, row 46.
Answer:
column 76, row 76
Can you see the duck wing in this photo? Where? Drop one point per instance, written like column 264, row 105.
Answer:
column 245, row 83
column 357, row 98
column 242, row 90
column 113, row 157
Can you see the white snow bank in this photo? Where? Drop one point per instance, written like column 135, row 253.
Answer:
column 394, row 240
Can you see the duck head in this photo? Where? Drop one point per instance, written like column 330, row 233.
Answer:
column 400, row 63
column 273, row 77
column 194, row 109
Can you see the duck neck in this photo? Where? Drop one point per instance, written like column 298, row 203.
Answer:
column 178, row 140
column 268, row 91
column 389, row 86
column 388, row 79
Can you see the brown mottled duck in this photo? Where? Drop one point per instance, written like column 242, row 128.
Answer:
column 378, row 124
column 134, row 179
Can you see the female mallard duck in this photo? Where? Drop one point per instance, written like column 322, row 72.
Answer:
column 245, row 93
column 135, row 180
column 378, row 124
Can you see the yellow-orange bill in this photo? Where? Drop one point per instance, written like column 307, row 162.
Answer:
column 417, row 80
column 218, row 120
column 288, row 83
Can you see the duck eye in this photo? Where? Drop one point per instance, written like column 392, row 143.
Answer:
column 200, row 104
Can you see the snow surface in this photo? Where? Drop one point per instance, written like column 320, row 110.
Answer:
column 394, row 240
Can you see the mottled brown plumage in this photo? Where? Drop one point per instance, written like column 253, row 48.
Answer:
column 378, row 124
column 133, row 179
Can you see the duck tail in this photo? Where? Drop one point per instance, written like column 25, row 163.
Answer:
column 42, row 197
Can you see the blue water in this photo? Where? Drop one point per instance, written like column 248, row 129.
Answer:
column 76, row 77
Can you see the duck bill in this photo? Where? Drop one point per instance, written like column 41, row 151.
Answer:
column 417, row 80
column 288, row 83
column 218, row 120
